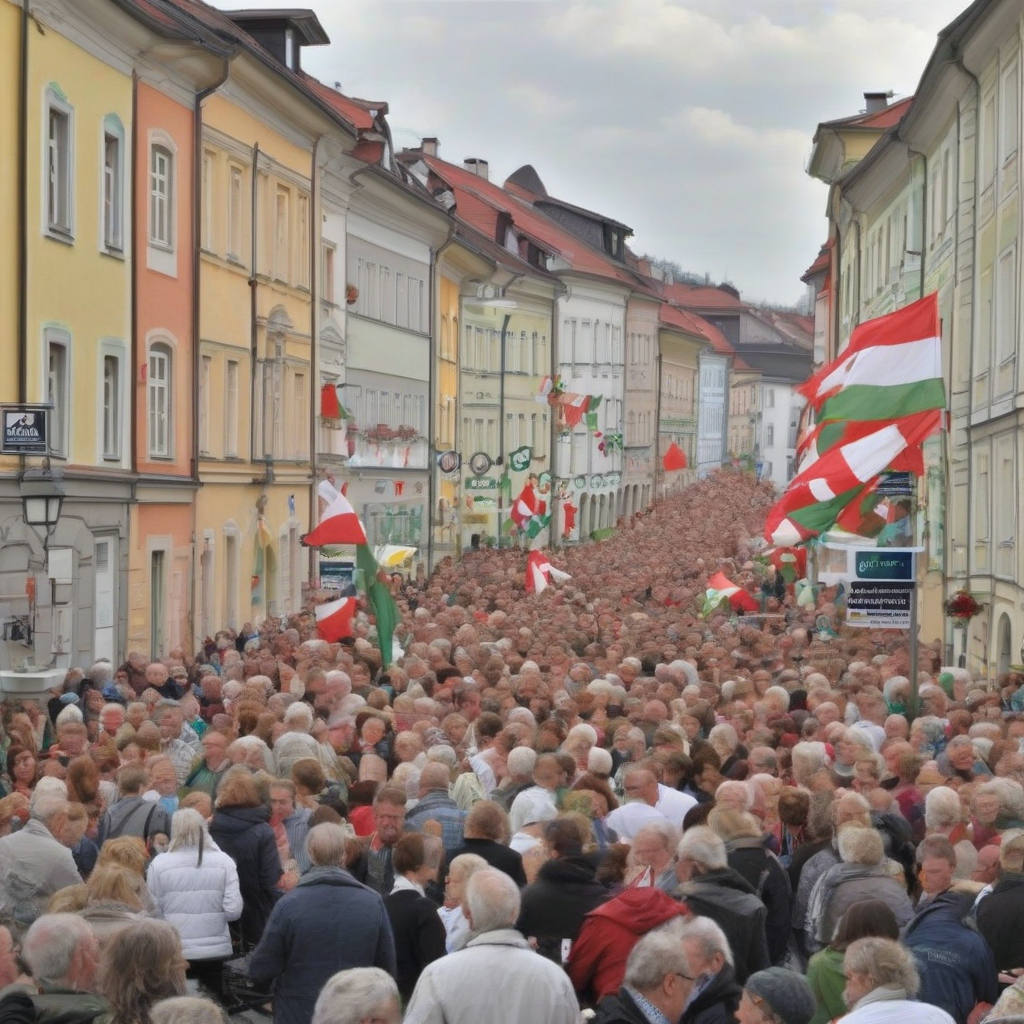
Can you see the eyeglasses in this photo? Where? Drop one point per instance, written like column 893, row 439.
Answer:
column 685, row 977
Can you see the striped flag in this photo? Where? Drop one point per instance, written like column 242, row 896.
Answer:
column 539, row 571
column 721, row 588
column 338, row 525
column 334, row 619
column 891, row 368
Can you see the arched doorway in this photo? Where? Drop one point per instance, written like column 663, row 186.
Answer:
column 1005, row 634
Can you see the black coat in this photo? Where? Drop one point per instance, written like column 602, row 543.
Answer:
column 1000, row 918
column 496, row 854
column 553, row 907
column 718, row 1003
column 245, row 835
column 768, row 878
column 619, row 1009
column 419, row 936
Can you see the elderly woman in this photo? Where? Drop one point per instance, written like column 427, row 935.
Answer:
column 187, row 1010
column 775, row 996
column 358, row 996
column 142, row 964
column 998, row 805
column 452, row 917
column 197, row 890
column 944, row 815
column 928, row 736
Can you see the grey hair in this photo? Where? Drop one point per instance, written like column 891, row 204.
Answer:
column 703, row 846
column 354, row 995
column 859, row 845
column 50, row 944
column 119, row 708
column 189, row 832
column 735, row 786
column 810, row 755
column 710, row 936
column 942, row 809
column 71, row 713
column 325, row 845
column 780, row 693
column 467, row 864
column 1010, row 793
column 581, row 731
column 100, row 672
column 299, row 712
column 599, row 761
column 251, row 742
column 444, row 753
column 521, row 762
column 885, row 962
column 187, row 1010
column 46, row 807
column 725, row 735
column 654, row 956
column 491, row 900
column 664, row 830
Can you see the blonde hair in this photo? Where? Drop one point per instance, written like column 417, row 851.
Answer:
column 124, row 851
column 115, row 884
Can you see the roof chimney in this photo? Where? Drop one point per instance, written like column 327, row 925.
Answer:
column 428, row 146
column 477, row 167
column 876, row 101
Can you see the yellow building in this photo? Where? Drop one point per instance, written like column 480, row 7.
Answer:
column 745, row 387
column 680, row 343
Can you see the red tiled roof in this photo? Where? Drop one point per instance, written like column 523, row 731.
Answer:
column 880, row 119
column 821, row 263
column 354, row 111
column 703, row 297
column 673, row 316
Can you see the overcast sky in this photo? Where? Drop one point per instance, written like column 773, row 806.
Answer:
column 689, row 120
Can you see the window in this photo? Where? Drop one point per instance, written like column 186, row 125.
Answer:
column 235, row 208
column 1006, row 307
column 282, row 251
column 113, row 185
column 161, row 204
column 303, row 215
column 209, row 168
column 301, row 425
column 231, row 578
column 158, row 400
column 1009, row 129
column 205, row 395
column 231, row 409
column 947, row 189
column 769, row 435
column 769, row 398
column 59, row 166
column 58, row 389
column 111, row 406
column 988, row 141
column 327, row 270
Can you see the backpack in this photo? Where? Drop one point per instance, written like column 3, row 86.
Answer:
column 126, row 826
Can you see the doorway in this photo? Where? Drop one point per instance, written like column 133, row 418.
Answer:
column 104, row 614
column 1005, row 645
column 157, row 604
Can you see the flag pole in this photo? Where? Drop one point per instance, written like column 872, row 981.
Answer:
column 913, row 647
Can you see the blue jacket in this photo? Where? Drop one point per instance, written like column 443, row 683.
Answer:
column 328, row 923
column 956, row 966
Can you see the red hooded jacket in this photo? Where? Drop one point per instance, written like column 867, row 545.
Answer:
column 597, row 960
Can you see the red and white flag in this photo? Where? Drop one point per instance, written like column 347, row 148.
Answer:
column 339, row 525
column 539, row 572
column 334, row 619
column 526, row 506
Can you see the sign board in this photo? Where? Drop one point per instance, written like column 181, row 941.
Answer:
column 895, row 485
column 884, row 564
column 449, row 461
column 336, row 575
column 479, row 463
column 481, row 483
column 520, row 459
column 25, row 430
column 879, row 604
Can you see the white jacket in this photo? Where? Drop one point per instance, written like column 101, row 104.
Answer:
column 896, row 1011
column 198, row 900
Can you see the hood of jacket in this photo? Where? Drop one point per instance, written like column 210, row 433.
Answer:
column 330, row 876
column 235, row 820
column 640, row 910
column 728, row 878
column 723, row 989
column 568, row 872
column 949, row 907
column 124, row 809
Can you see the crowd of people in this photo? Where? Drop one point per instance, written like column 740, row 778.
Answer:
column 587, row 803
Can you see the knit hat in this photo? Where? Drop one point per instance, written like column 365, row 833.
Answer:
column 785, row 994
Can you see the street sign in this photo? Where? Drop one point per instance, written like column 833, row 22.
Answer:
column 519, row 460
column 879, row 604
column 25, row 430
column 884, row 564
column 336, row 575
column 895, row 485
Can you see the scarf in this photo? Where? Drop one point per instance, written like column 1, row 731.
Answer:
column 885, row 994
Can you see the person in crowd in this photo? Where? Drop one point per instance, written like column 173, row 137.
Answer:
column 435, row 804
column 496, row 968
column 520, row 763
column 293, row 821
column 328, row 922
column 1000, row 915
column 657, row 985
column 196, row 888
column 187, row 1010
column 530, row 805
column 22, row 770
column 240, row 827
column 881, row 983
column 716, row 993
column 170, row 720
column 653, row 852
column 133, row 814
column 565, row 890
column 486, row 835
column 358, row 995
column 114, row 899
column 641, row 807
column 389, row 815
column 775, row 996
column 419, row 935
column 142, row 964
column 456, row 927
column 209, row 769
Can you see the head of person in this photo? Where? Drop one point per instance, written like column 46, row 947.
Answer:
column 434, row 778
column 521, row 763
column 874, row 963
column 112, row 718
column 659, row 970
column 460, row 870
column 654, row 845
column 547, row 772
column 418, row 857
column 238, row 789
column 51, row 809
column 859, row 845
column 735, row 795
column 776, row 996
column 487, row 820
column 326, row 844
column 132, row 779
column 986, row 868
column 188, row 832
column 936, row 858
column 169, row 718
column 127, row 851
column 641, row 784
column 141, row 964
column 282, row 799
column 61, row 950
column 865, row 919
column 699, row 851
column 706, row 947
column 187, row 1010
column 490, row 901
column 361, row 995
column 389, row 813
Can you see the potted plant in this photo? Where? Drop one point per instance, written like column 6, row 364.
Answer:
column 405, row 432
column 962, row 607
column 379, row 434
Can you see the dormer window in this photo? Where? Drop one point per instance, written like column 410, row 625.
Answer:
column 289, row 48
column 614, row 243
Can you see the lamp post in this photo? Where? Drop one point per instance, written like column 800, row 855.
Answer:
column 42, row 498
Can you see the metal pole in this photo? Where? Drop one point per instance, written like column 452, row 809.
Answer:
column 913, row 649
column 502, row 459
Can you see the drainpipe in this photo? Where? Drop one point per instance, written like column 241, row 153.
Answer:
column 554, row 535
column 657, row 426
column 503, row 461
column 253, row 285
column 315, row 249
column 128, row 239
column 23, row 214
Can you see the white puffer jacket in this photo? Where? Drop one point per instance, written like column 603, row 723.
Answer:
column 199, row 900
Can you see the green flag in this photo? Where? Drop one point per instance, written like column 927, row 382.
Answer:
column 384, row 609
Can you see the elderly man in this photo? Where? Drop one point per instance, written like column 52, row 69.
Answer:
column 133, row 814
column 210, row 768
column 654, row 849
column 112, row 720
column 327, row 922
column 484, row 832
column 389, row 814
column 520, row 764
column 496, row 968
column 881, row 982
column 1001, row 914
column 35, row 862
column 158, row 677
column 62, row 954
column 295, row 820
column 359, row 994
column 436, row 805
column 547, row 777
column 716, row 995
column 709, row 887
column 170, row 719
column 643, row 794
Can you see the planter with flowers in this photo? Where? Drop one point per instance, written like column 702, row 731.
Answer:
column 380, row 434
column 962, row 607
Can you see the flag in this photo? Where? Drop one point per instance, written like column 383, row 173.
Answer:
column 721, row 588
column 891, row 368
column 334, row 619
column 674, row 458
column 338, row 525
column 819, row 493
column 330, row 407
column 383, row 604
column 574, row 407
column 539, row 571
column 526, row 506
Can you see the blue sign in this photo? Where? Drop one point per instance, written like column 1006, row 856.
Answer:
column 884, row 564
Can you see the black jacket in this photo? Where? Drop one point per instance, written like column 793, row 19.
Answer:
column 496, row 854
column 767, row 877
column 245, row 835
column 553, row 907
column 717, row 1004
column 727, row 898
column 53, row 1005
column 419, row 936
column 619, row 1009
column 1000, row 917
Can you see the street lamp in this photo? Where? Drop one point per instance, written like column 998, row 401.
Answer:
column 41, row 500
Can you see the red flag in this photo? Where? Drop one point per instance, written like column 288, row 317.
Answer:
column 539, row 571
column 674, row 458
column 330, row 407
column 339, row 525
column 334, row 619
